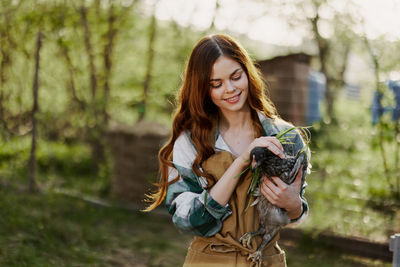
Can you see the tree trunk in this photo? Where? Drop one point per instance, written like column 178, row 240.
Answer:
column 343, row 68
column 89, row 51
column 95, row 132
column 216, row 8
column 70, row 69
column 149, row 67
column 97, row 5
column 323, row 49
column 32, row 159
column 108, row 52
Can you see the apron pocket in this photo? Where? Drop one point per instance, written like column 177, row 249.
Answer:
column 275, row 260
column 197, row 258
column 222, row 248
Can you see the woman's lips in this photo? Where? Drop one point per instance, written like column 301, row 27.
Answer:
column 233, row 99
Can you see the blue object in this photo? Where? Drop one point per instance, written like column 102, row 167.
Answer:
column 394, row 246
column 316, row 92
column 378, row 110
column 376, row 107
column 395, row 87
column 352, row 91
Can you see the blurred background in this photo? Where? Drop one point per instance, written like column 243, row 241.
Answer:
column 86, row 94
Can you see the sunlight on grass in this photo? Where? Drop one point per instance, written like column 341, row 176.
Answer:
column 346, row 172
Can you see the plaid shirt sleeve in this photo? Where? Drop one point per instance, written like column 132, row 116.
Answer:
column 193, row 210
column 297, row 146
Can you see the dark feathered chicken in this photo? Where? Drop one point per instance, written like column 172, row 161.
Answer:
column 272, row 218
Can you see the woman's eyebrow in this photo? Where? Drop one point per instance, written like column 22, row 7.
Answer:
column 233, row 73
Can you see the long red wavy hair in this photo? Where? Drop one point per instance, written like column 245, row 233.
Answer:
column 196, row 113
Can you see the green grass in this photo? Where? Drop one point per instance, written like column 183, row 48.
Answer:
column 59, row 165
column 56, row 230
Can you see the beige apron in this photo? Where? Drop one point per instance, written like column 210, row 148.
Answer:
column 224, row 249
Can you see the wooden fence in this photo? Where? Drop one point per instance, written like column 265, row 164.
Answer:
column 348, row 245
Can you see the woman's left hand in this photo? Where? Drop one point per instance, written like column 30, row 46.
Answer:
column 283, row 195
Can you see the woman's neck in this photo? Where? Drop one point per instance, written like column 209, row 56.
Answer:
column 237, row 130
column 235, row 121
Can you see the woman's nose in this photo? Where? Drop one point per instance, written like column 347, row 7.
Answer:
column 230, row 87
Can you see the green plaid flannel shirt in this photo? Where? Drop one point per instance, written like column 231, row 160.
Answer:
column 186, row 198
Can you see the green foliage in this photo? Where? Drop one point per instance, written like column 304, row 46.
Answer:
column 60, row 165
column 347, row 184
column 386, row 140
column 64, row 36
column 66, row 159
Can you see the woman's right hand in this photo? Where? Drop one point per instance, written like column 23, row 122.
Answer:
column 269, row 142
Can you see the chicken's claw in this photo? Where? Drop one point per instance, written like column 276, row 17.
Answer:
column 256, row 258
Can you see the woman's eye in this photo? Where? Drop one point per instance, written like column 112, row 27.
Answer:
column 215, row 85
column 237, row 77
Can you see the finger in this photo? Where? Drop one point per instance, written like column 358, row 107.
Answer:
column 299, row 175
column 270, row 185
column 269, row 194
column 277, row 143
column 281, row 184
column 271, row 143
column 274, row 149
column 273, row 140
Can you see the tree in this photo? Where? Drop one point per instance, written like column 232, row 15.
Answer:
column 35, row 88
column 333, row 52
column 387, row 137
column 150, row 60
column 332, row 49
column 215, row 13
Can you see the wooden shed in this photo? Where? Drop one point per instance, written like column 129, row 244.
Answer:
column 287, row 79
column 135, row 149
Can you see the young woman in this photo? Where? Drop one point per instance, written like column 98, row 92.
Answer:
column 222, row 114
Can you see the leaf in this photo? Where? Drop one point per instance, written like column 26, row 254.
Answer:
column 240, row 174
column 254, row 181
column 247, row 203
column 280, row 136
column 285, row 139
column 283, row 132
column 205, row 203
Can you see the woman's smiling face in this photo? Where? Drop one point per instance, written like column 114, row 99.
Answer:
column 229, row 85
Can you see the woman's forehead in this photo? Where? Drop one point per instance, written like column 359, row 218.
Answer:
column 224, row 67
